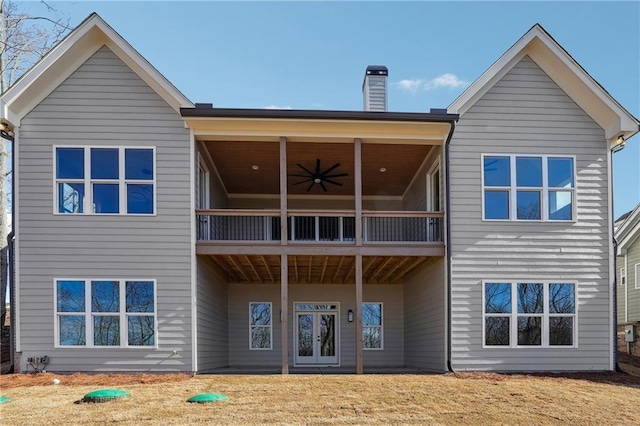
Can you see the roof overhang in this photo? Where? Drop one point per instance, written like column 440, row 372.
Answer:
column 318, row 125
column 629, row 230
column 614, row 119
column 67, row 56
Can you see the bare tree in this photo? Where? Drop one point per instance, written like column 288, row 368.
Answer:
column 24, row 40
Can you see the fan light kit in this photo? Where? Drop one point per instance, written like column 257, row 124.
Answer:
column 318, row 177
column 255, row 167
column 383, row 169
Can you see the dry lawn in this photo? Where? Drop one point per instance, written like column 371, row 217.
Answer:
column 472, row 399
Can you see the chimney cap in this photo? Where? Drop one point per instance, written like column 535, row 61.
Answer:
column 377, row 70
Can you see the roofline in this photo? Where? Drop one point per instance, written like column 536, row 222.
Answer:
column 625, row 232
column 470, row 96
column 261, row 113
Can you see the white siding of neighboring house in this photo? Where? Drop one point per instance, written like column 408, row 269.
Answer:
column 527, row 113
column 104, row 103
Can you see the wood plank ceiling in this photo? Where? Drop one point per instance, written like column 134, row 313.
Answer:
column 234, row 161
column 258, row 269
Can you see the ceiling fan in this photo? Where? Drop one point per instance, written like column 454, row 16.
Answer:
column 318, row 177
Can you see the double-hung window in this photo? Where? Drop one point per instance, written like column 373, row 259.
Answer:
column 260, row 331
column 524, row 187
column 623, row 276
column 104, row 180
column 372, row 333
column 525, row 314
column 103, row 313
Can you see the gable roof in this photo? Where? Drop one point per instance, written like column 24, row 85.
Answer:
column 566, row 73
column 629, row 230
column 67, row 56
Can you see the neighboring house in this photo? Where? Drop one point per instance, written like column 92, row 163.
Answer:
column 153, row 234
column 628, row 275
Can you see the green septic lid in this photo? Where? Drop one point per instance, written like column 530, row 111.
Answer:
column 104, row 395
column 208, row 397
column 4, row 399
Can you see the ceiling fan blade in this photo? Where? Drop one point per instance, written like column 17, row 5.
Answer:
column 317, row 166
column 334, row 176
column 324, row 188
column 303, row 181
column 333, row 182
column 297, row 175
column 305, row 169
column 332, row 168
column 313, row 182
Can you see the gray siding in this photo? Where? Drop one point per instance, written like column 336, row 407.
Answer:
column 105, row 103
column 633, row 281
column 526, row 112
column 241, row 294
column 424, row 318
column 213, row 325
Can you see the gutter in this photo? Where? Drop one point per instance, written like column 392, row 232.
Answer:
column 447, row 215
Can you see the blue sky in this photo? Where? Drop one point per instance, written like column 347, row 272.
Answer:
column 312, row 55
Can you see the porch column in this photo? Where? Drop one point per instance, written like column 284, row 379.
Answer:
column 359, row 362
column 283, row 191
column 358, row 189
column 284, row 311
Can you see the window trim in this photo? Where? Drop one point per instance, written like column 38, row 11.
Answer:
column 88, row 314
column 637, row 271
column 122, row 181
column 261, row 326
column 623, row 277
column 544, row 190
column 381, row 326
column 513, row 315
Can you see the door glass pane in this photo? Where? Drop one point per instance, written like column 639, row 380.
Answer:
column 327, row 335
column 305, row 335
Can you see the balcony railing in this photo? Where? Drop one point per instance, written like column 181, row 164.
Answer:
column 316, row 226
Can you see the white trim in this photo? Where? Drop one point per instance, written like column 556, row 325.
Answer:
column 435, row 168
column 15, row 198
column 545, row 315
column 629, row 230
column 565, row 72
column 122, row 182
column 637, row 277
column 543, row 190
column 121, row 314
column 194, row 259
column 261, row 326
column 381, row 326
column 611, row 270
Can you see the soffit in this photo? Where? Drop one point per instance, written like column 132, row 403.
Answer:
column 234, row 161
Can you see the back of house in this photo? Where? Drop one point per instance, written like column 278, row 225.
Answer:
column 152, row 234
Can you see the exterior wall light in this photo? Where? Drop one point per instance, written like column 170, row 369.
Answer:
column 350, row 315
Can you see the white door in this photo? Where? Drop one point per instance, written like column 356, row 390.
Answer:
column 202, row 200
column 316, row 341
column 433, row 199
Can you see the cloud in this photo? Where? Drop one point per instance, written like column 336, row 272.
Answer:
column 410, row 85
column 446, row 80
column 277, row 107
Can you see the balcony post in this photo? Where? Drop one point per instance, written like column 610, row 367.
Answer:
column 358, row 189
column 359, row 361
column 284, row 312
column 283, row 192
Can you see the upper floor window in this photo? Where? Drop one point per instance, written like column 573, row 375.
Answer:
column 521, row 187
column 97, row 180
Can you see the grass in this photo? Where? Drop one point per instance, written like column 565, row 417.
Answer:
column 472, row 399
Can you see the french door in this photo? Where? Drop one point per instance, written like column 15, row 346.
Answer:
column 316, row 338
